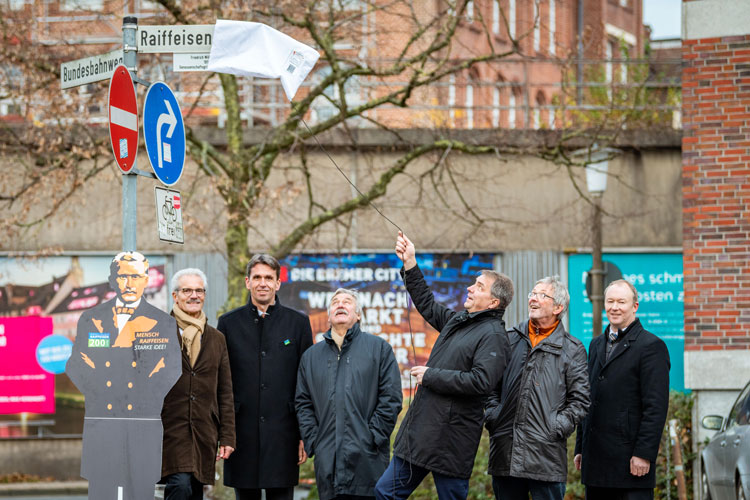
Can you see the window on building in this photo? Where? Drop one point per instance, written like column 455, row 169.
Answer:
column 609, row 52
column 495, row 107
column 623, row 3
column 540, row 110
column 452, row 98
column 150, row 5
column 469, row 11
column 537, row 27
column 78, row 5
column 469, row 106
column 14, row 4
column 512, row 18
column 512, row 110
column 323, row 106
column 552, row 26
column 624, row 53
column 551, row 118
column 496, row 17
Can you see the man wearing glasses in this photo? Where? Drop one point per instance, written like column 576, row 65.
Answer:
column 543, row 395
column 198, row 413
column 265, row 341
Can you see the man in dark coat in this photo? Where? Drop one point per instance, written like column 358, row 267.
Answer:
column 265, row 341
column 198, row 413
column 543, row 395
column 441, row 430
column 629, row 373
column 348, row 400
column 125, row 359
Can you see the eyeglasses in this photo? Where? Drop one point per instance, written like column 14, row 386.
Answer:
column 539, row 295
column 187, row 292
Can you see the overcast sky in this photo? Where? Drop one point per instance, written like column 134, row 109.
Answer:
column 663, row 16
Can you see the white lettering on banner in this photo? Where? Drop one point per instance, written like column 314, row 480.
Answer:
column 320, row 300
column 40, row 376
column 23, row 399
column 346, row 274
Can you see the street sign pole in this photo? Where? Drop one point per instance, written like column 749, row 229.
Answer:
column 129, row 179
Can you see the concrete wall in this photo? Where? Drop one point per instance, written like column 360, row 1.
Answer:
column 58, row 457
column 517, row 203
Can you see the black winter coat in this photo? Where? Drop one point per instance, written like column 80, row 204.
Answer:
column 264, row 354
column 442, row 428
column 629, row 401
column 348, row 402
column 544, row 394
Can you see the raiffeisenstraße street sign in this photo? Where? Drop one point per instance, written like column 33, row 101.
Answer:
column 184, row 38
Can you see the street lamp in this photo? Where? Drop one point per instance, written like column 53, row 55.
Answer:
column 596, row 163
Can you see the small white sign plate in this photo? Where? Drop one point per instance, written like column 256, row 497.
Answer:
column 169, row 215
column 190, row 62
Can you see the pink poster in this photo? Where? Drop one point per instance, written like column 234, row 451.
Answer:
column 24, row 385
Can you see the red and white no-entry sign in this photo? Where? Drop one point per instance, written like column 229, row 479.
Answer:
column 123, row 118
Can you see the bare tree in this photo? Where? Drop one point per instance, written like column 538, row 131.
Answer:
column 413, row 47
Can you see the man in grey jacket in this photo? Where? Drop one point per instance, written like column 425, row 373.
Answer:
column 348, row 399
column 543, row 395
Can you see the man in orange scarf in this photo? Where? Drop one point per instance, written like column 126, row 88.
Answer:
column 543, row 395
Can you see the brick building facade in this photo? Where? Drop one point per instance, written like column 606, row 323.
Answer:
column 522, row 91
column 716, row 202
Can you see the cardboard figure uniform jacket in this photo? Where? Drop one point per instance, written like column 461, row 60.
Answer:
column 264, row 354
column 124, row 377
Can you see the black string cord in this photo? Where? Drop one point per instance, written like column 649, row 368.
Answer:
column 347, row 177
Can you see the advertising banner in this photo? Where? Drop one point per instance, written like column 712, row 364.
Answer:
column 24, row 385
column 308, row 282
column 658, row 279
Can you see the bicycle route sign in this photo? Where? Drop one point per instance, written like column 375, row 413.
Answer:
column 169, row 215
column 123, row 118
column 164, row 133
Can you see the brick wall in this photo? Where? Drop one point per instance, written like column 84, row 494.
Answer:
column 716, row 192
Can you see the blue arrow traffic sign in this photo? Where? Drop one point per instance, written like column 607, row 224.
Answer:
column 164, row 133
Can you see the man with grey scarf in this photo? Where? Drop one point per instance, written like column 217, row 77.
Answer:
column 198, row 414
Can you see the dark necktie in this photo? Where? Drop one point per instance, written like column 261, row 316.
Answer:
column 613, row 335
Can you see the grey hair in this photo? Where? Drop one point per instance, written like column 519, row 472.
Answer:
column 560, row 295
column 348, row 291
column 502, row 287
column 626, row 283
column 190, row 271
column 263, row 258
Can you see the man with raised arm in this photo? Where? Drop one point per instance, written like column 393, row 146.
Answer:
column 441, row 430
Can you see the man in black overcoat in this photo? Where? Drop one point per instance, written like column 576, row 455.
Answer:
column 265, row 341
column 440, row 432
column 617, row 444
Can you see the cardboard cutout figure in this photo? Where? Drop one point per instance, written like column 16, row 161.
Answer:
column 125, row 359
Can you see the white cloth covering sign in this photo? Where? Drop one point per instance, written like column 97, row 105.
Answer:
column 254, row 49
